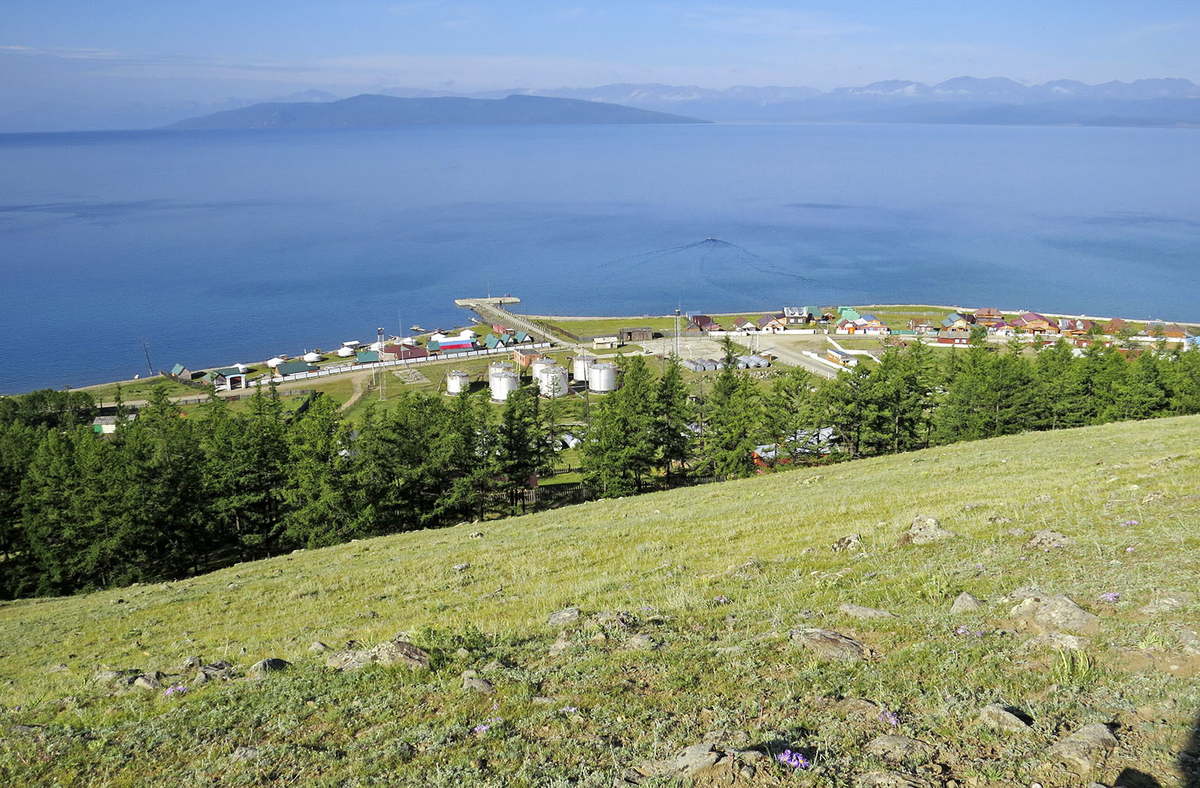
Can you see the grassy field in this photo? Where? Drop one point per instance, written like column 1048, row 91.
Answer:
column 701, row 588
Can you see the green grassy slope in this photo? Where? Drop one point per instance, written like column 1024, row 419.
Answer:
column 716, row 577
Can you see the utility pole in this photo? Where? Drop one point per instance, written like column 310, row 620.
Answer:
column 379, row 360
column 676, row 332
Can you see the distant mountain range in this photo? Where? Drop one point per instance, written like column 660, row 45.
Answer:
column 383, row 111
column 1157, row 102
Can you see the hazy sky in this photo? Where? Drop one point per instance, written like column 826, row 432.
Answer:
column 136, row 50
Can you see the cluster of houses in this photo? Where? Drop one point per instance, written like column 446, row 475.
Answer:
column 790, row 318
column 954, row 329
column 355, row 352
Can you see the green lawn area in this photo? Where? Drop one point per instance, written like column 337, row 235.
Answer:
column 588, row 327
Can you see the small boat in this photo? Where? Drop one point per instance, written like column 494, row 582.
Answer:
column 416, row 329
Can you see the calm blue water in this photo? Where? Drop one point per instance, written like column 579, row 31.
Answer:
column 218, row 247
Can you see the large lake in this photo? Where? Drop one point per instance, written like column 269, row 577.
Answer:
column 219, row 247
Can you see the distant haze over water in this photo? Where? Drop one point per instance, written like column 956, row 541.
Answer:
column 219, row 247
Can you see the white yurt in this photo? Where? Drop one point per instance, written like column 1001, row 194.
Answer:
column 274, row 362
column 345, row 351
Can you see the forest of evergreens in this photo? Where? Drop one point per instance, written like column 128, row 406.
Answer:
column 167, row 496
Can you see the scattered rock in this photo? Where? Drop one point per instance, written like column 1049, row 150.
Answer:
column 472, row 681
column 1056, row 614
column 847, row 543
column 217, row 671
column 894, row 748
column 269, row 665
column 476, row 535
column 494, row 666
column 642, row 643
column 114, row 678
column 400, row 652
column 244, row 753
column 828, row 644
column 890, row 780
column 707, row 762
column 392, row 652
column 1166, row 604
column 561, row 645
column 192, row 663
column 1047, row 539
column 999, row 719
column 1027, row 592
column 461, row 567
column 565, row 617
column 858, row 611
column 1084, row 750
column 610, row 619
column 965, row 603
column 925, row 530
column 1000, row 519
column 149, row 681
column 317, row 647
column 1043, row 499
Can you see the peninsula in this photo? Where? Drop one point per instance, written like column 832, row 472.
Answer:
column 372, row 111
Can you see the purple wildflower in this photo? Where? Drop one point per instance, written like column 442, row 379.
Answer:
column 963, row 630
column 1131, row 522
column 479, row 730
column 1129, row 549
column 569, row 709
column 1111, row 596
column 889, row 717
column 177, row 689
column 722, row 600
column 793, row 759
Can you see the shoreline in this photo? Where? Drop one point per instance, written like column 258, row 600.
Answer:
column 632, row 319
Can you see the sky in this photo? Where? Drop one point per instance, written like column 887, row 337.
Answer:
column 88, row 53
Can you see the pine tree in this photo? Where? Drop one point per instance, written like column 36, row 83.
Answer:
column 672, row 415
column 319, row 509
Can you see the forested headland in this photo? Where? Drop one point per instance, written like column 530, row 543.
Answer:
column 167, row 496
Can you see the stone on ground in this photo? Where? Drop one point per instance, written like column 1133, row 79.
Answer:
column 269, row 665
column 1056, row 614
column 925, row 530
column 999, row 719
column 965, row 603
column 858, row 611
column 1084, row 750
column 565, row 617
column 1047, row 539
column 847, row 543
column 831, row 645
column 472, row 681
column 890, row 780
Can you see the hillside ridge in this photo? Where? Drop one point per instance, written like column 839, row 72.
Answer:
column 689, row 648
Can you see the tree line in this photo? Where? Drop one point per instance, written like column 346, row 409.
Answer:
column 166, row 496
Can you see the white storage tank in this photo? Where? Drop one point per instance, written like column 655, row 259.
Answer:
column 537, row 365
column 579, row 369
column 502, row 383
column 552, row 381
column 602, row 377
column 499, row 366
column 457, row 381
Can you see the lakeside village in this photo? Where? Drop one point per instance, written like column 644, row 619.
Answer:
column 523, row 340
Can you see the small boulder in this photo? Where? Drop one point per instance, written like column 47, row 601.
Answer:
column 1056, row 614
column 243, row 753
column 858, row 707
column 565, row 617
column 641, row 643
column 149, row 681
column 317, row 647
column 925, row 530
column 1084, row 750
column 113, row 678
column 999, row 719
column 400, row 652
column 830, row 645
column 472, row 681
column 965, row 603
column 894, row 748
column 613, row 619
column 461, row 567
column 217, row 671
column 858, row 611
column 847, row 543
column 269, row 665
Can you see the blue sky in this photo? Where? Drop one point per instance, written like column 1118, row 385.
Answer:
column 136, row 51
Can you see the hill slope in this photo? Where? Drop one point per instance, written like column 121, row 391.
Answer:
column 383, row 111
column 699, row 593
